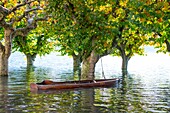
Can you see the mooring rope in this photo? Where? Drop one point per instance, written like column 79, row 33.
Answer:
column 102, row 69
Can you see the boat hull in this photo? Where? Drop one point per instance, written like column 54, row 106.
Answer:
column 51, row 85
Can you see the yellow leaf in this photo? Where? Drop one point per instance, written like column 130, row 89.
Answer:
column 149, row 22
column 166, row 6
column 49, row 20
column 102, row 8
column 151, row 43
column 36, row 3
column 137, row 12
column 123, row 3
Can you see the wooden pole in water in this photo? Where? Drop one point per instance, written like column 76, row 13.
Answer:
column 102, row 69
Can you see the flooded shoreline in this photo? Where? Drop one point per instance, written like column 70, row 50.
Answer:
column 145, row 89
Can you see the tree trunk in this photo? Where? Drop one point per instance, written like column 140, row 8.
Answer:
column 167, row 45
column 5, row 52
column 125, row 60
column 88, row 67
column 77, row 65
column 4, row 97
column 30, row 60
column 3, row 64
column 124, row 65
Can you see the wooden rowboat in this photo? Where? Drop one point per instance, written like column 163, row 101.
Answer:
column 51, row 85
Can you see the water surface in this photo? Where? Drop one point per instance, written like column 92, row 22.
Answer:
column 145, row 89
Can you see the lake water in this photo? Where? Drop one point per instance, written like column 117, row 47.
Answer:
column 145, row 89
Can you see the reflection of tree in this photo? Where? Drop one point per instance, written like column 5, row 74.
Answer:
column 30, row 75
column 126, row 98
column 119, row 99
column 88, row 100
column 34, row 74
column 102, row 99
column 3, row 93
column 64, row 101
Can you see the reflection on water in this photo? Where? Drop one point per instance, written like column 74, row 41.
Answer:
column 145, row 89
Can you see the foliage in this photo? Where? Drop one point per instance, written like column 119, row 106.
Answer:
column 155, row 19
column 20, row 12
column 27, row 14
column 38, row 41
column 131, row 37
column 80, row 22
column 109, row 23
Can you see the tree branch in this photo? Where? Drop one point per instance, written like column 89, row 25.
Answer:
column 129, row 55
column 20, row 5
column 4, row 10
column 42, row 19
column 4, row 24
column 23, row 31
column 26, row 30
column 25, row 13
column 71, row 11
column 167, row 45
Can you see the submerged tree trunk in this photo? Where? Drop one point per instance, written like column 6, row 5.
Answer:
column 124, row 64
column 4, row 95
column 125, row 59
column 88, row 67
column 30, row 60
column 77, row 65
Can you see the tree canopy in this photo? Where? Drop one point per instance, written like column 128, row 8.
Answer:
column 154, row 16
column 98, row 25
column 17, row 18
column 87, row 29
